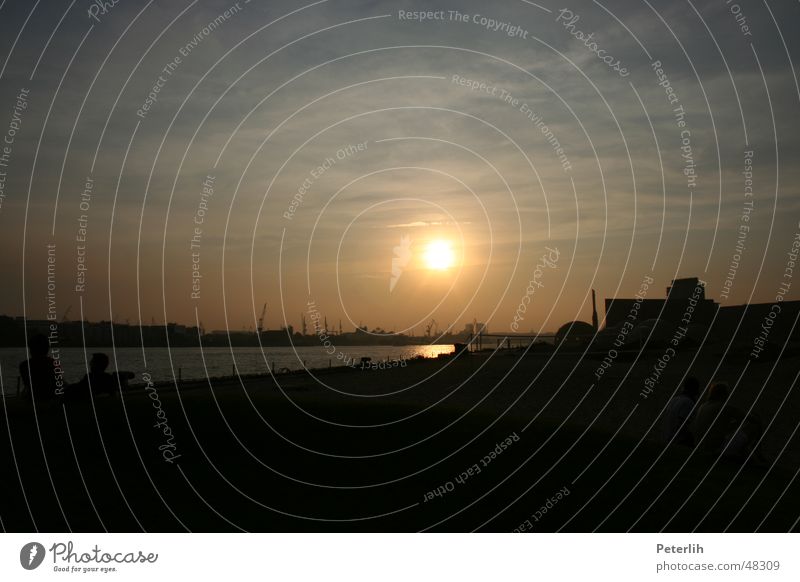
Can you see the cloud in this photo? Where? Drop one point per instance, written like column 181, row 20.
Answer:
column 265, row 116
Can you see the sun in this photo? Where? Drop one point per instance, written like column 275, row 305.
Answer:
column 439, row 255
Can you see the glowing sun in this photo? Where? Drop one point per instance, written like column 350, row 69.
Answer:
column 439, row 255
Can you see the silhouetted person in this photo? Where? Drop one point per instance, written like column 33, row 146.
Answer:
column 678, row 411
column 38, row 373
column 742, row 441
column 715, row 420
column 97, row 381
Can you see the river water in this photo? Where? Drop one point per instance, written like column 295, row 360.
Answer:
column 194, row 363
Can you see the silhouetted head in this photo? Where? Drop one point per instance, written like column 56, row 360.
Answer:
column 38, row 345
column 691, row 387
column 719, row 391
column 99, row 362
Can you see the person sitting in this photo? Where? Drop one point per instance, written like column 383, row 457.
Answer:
column 97, row 381
column 38, row 373
column 715, row 419
column 742, row 442
column 678, row 411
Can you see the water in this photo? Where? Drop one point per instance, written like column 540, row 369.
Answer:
column 218, row 361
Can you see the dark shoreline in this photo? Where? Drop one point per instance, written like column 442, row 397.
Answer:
column 363, row 453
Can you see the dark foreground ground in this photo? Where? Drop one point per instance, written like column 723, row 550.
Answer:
column 306, row 457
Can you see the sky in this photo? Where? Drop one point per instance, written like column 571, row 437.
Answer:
column 306, row 155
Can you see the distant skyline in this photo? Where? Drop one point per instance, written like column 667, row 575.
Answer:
column 393, row 163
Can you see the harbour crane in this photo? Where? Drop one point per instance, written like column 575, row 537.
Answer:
column 431, row 325
column 261, row 319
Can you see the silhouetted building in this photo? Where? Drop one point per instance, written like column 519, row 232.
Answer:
column 277, row 337
column 770, row 322
column 754, row 326
column 685, row 304
column 685, row 288
column 574, row 332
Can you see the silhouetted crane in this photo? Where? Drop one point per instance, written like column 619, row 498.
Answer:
column 431, row 325
column 261, row 319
